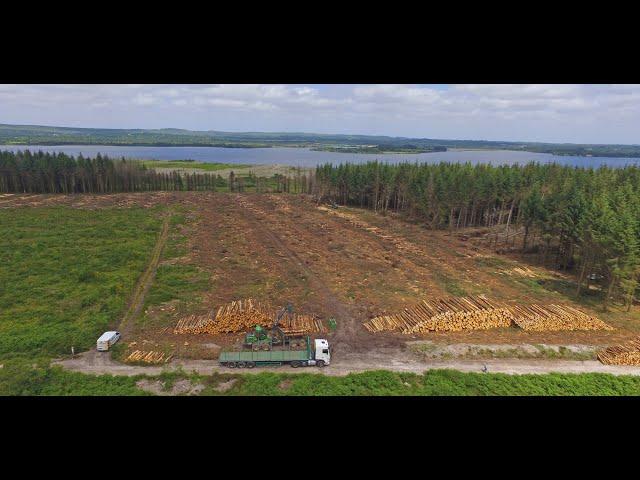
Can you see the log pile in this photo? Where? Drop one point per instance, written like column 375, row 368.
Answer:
column 445, row 314
column 544, row 318
column 295, row 324
column 243, row 315
column 626, row 354
column 150, row 357
column 236, row 316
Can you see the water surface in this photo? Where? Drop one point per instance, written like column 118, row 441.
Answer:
column 304, row 157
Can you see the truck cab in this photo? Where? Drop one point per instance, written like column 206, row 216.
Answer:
column 322, row 352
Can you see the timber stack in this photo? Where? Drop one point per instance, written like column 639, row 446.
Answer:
column 545, row 318
column 294, row 324
column 242, row 315
column 445, row 314
column 626, row 354
column 150, row 357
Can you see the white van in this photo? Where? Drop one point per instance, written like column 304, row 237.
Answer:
column 107, row 339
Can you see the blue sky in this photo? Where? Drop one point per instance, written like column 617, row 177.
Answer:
column 552, row 113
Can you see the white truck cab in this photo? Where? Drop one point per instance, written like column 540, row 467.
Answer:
column 106, row 340
column 323, row 353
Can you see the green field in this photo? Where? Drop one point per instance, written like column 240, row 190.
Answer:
column 19, row 379
column 209, row 167
column 66, row 274
column 176, row 280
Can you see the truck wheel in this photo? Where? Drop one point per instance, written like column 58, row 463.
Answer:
column 241, row 364
column 231, row 364
column 251, row 364
column 320, row 363
column 295, row 364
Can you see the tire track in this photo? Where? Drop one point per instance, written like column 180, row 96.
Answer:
column 145, row 281
column 349, row 330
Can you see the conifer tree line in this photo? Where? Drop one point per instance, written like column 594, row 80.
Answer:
column 40, row 172
column 581, row 219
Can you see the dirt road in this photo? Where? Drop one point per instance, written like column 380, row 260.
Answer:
column 145, row 281
column 94, row 362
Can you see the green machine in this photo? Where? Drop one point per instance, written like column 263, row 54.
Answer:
column 260, row 339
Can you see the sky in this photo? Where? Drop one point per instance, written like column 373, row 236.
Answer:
column 536, row 113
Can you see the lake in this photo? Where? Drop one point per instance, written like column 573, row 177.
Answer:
column 303, row 157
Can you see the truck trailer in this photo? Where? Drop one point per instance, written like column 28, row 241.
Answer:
column 318, row 356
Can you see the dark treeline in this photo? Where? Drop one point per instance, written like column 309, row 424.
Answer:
column 38, row 172
column 582, row 219
column 27, row 172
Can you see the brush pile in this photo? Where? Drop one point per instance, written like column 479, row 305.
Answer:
column 626, row 354
column 445, row 314
column 546, row 318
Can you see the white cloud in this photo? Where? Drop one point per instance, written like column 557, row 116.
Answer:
column 144, row 99
column 580, row 113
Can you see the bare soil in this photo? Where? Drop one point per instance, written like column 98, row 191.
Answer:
column 350, row 264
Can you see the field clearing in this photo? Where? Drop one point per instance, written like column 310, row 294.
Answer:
column 284, row 248
column 347, row 263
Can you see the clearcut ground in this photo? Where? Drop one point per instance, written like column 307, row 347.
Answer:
column 278, row 248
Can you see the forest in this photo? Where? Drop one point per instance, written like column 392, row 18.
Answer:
column 579, row 219
column 39, row 172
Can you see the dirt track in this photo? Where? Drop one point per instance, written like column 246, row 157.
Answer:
column 145, row 281
column 384, row 359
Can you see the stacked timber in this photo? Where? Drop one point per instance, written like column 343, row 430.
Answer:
column 626, row 354
column 300, row 324
column 543, row 318
column 445, row 314
column 150, row 357
column 243, row 315
column 193, row 324
column 236, row 316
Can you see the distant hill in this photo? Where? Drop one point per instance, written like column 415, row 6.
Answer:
column 48, row 135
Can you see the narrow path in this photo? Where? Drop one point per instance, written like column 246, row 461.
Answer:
column 146, row 280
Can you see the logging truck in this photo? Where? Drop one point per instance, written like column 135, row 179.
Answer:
column 319, row 355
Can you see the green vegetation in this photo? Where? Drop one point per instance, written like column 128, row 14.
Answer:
column 209, row 167
column 491, row 262
column 66, row 274
column 583, row 219
column 451, row 286
column 21, row 379
column 435, row 351
column 176, row 280
column 381, row 148
column 434, row 382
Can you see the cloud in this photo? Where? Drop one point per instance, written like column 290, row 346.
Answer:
column 578, row 113
column 144, row 99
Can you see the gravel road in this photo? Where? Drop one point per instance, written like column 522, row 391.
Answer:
column 100, row 363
